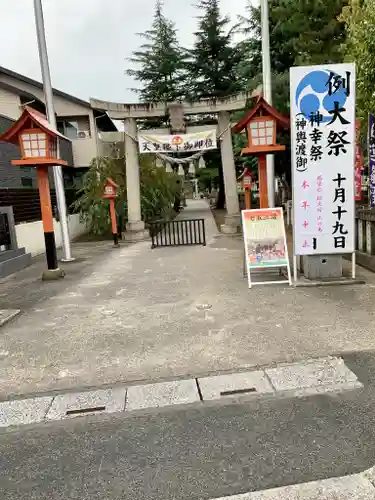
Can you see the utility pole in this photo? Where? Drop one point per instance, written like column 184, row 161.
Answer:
column 48, row 94
column 267, row 92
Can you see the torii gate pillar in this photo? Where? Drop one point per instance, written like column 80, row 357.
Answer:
column 135, row 227
column 232, row 219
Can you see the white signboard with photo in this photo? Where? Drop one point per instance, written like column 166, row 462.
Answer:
column 178, row 143
column 322, row 102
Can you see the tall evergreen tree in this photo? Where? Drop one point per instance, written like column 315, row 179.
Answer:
column 213, row 61
column 302, row 32
column 212, row 67
column 359, row 19
column 158, row 61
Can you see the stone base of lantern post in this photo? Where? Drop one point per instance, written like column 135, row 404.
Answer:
column 53, row 274
column 232, row 224
column 135, row 231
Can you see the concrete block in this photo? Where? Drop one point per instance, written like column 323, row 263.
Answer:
column 15, row 264
column 24, row 411
column 320, row 372
column 87, row 403
column 8, row 314
column 322, row 266
column 226, row 229
column 162, row 394
column 134, row 236
column 234, row 385
column 338, row 488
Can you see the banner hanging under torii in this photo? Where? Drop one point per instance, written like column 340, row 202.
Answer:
column 198, row 141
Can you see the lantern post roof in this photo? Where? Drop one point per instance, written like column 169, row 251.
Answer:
column 29, row 118
column 260, row 108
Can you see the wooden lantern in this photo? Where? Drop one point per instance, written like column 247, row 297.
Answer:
column 39, row 145
column 110, row 189
column 37, row 140
column 260, row 124
column 246, row 180
column 110, row 193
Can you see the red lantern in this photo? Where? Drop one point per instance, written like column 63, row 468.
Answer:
column 110, row 193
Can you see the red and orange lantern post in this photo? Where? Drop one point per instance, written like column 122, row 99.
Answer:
column 39, row 145
column 247, row 182
column 260, row 124
column 110, row 193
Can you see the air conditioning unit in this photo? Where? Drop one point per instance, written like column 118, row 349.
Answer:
column 83, row 134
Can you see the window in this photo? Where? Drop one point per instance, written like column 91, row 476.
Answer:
column 34, row 144
column 262, row 132
column 26, row 182
column 71, row 129
column 74, row 128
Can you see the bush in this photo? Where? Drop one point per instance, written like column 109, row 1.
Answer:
column 158, row 190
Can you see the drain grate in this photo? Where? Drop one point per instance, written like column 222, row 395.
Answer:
column 238, row 391
column 85, row 410
column 83, row 403
column 234, row 384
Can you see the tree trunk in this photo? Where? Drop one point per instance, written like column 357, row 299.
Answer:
column 220, row 202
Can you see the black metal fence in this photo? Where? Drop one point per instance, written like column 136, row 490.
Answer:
column 177, row 233
column 26, row 204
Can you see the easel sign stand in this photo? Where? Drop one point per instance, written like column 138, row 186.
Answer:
column 265, row 243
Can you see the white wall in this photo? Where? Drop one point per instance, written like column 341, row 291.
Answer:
column 31, row 236
column 84, row 150
column 9, row 104
column 63, row 107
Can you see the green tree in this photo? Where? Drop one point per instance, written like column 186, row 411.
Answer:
column 158, row 190
column 359, row 20
column 302, row 32
column 212, row 63
column 159, row 61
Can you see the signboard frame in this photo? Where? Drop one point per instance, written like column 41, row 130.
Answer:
column 371, row 159
column 302, row 86
column 281, row 235
column 358, row 168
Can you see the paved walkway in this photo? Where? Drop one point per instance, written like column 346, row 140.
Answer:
column 145, row 314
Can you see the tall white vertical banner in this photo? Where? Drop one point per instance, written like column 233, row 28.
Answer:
column 322, row 103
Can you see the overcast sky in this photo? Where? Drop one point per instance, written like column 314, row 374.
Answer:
column 89, row 40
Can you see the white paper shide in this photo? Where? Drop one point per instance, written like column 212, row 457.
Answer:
column 322, row 102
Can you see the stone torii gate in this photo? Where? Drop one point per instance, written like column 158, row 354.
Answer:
column 129, row 113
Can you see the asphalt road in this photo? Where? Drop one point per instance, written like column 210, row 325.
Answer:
column 194, row 452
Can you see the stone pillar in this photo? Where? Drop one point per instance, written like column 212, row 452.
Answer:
column 369, row 237
column 232, row 219
column 135, row 228
column 360, row 235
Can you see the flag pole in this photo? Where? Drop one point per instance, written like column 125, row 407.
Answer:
column 267, row 92
column 48, row 94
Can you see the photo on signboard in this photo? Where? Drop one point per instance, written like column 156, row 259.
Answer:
column 264, row 238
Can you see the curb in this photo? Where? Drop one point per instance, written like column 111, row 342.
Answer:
column 7, row 315
column 353, row 487
column 301, row 379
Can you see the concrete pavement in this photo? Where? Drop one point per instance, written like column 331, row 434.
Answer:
column 138, row 314
column 189, row 453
